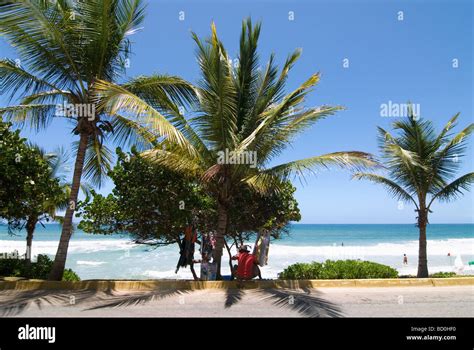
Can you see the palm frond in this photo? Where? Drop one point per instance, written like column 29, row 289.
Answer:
column 263, row 182
column 351, row 160
column 108, row 25
column 42, row 32
column 454, row 189
column 449, row 126
column 48, row 97
column 246, row 73
column 37, row 116
column 60, row 163
column 13, row 78
column 87, row 189
column 128, row 132
column 115, row 99
column 163, row 91
column 393, row 188
column 171, row 94
column 277, row 140
column 217, row 94
column 97, row 161
column 401, row 163
column 174, row 159
column 445, row 161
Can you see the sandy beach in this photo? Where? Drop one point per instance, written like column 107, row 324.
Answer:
column 452, row 301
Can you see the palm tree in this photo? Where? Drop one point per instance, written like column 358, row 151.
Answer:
column 421, row 166
column 64, row 48
column 242, row 110
column 47, row 210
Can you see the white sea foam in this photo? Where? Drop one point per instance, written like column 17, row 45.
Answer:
column 464, row 246
column 79, row 246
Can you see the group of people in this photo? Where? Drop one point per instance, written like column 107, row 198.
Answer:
column 247, row 266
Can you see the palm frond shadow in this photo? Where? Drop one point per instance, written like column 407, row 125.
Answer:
column 233, row 296
column 40, row 298
column 134, row 299
column 305, row 302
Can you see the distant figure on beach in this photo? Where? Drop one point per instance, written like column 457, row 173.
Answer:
column 342, row 244
column 405, row 259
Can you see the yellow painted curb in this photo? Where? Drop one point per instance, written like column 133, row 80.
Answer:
column 396, row 282
column 454, row 281
column 198, row 285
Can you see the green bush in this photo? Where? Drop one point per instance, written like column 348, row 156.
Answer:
column 340, row 269
column 443, row 274
column 70, row 275
column 38, row 270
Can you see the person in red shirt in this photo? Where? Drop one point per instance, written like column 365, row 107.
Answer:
column 247, row 267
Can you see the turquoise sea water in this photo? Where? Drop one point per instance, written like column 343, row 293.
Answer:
column 97, row 256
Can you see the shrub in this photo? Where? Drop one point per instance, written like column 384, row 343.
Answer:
column 443, row 274
column 340, row 269
column 38, row 270
column 70, row 275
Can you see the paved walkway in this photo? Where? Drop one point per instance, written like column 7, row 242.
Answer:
column 456, row 301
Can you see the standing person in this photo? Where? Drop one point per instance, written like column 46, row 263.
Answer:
column 186, row 253
column 247, row 267
column 405, row 259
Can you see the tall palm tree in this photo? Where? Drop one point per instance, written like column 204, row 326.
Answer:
column 421, row 168
column 242, row 110
column 65, row 47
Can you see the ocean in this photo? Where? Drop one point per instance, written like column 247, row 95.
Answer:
column 116, row 257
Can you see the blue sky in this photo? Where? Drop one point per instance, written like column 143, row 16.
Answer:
column 389, row 60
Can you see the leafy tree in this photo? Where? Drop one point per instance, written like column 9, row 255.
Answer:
column 64, row 48
column 243, row 111
column 149, row 202
column 421, row 167
column 254, row 212
column 30, row 191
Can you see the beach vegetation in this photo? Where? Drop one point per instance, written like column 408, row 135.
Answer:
column 339, row 269
column 33, row 270
column 30, row 186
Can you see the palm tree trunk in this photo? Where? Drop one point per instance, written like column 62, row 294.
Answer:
column 422, row 255
column 30, row 229
column 57, row 271
column 222, row 217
